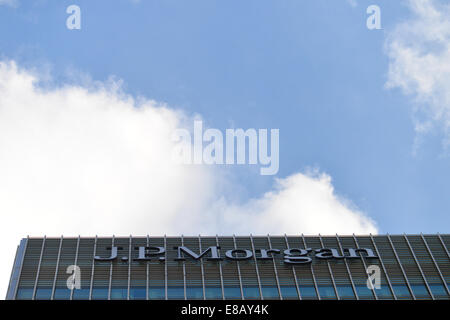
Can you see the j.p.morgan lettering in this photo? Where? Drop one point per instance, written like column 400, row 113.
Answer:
column 213, row 253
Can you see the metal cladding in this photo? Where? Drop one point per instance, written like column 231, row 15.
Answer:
column 233, row 267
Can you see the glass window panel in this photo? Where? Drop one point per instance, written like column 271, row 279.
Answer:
column 43, row 293
column 213, row 293
column 156, row 293
column 251, row 292
column 345, row 291
column 81, row 294
column 137, row 293
column 232, row 293
column 364, row 292
column 100, row 293
column 327, row 292
column 420, row 291
column 62, row 294
column 194, row 292
column 289, row 292
column 384, row 292
column 401, row 291
column 175, row 293
column 119, row 293
column 24, row 294
column 438, row 289
column 270, row 292
column 308, row 292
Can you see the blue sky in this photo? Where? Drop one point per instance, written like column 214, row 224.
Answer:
column 310, row 68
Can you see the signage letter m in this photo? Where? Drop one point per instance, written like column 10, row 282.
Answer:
column 213, row 250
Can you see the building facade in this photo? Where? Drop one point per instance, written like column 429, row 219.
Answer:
column 366, row 267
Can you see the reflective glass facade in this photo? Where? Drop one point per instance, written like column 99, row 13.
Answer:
column 407, row 266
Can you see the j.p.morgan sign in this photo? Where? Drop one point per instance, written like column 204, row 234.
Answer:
column 290, row 256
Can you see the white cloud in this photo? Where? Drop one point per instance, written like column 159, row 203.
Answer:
column 89, row 159
column 300, row 203
column 419, row 52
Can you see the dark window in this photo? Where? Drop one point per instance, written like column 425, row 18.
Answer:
column 100, row 293
column 232, row 293
column 194, row 292
column 345, row 291
column 327, row 292
column 251, row 292
column 175, row 293
column 24, row 294
column 438, row 290
column 420, row 291
column 43, row 293
column 308, row 292
column 119, row 293
column 384, row 292
column 62, row 294
column 137, row 293
column 270, row 292
column 213, row 293
column 364, row 292
column 156, row 293
column 289, row 292
column 80, row 294
column 401, row 291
